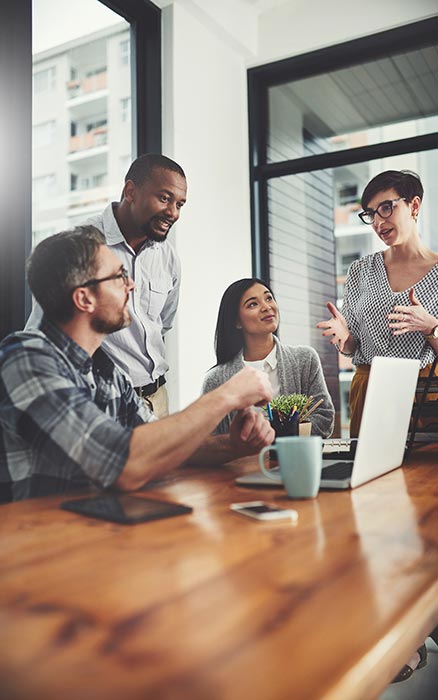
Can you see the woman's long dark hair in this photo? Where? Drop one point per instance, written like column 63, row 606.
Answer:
column 228, row 340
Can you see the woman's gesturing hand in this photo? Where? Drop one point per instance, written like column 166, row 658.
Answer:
column 335, row 327
column 407, row 319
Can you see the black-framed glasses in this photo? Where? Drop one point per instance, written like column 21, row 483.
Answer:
column 122, row 275
column 384, row 210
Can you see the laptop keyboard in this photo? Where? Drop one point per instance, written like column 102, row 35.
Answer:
column 339, row 470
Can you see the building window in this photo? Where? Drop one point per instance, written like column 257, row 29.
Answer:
column 44, row 80
column 44, row 134
column 42, row 233
column 347, row 194
column 125, row 49
column 81, row 183
column 43, row 186
column 346, row 261
column 95, row 124
column 125, row 109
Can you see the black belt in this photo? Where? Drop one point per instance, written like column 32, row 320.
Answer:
column 149, row 389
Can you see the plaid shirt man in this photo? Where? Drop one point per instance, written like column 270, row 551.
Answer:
column 66, row 418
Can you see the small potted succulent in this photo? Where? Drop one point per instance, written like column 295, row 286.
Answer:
column 289, row 414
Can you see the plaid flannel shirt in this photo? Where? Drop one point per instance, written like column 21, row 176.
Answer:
column 66, row 418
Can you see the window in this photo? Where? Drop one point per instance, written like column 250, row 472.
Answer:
column 56, row 31
column 347, row 194
column 95, row 71
column 321, row 125
column 124, row 52
column 43, row 186
column 87, row 157
column 90, row 126
column 346, row 261
column 44, row 134
column 44, row 80
column 85, row 182
column 42, row 233
column 125, row 109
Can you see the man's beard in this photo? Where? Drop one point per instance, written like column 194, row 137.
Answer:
column 146, row 229
column 106, row 327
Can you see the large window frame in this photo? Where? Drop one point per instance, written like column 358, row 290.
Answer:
column 261, row 78
column 16, row 133
column 264, row 174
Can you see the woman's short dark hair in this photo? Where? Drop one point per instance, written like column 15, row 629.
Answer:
column 59, row 264
column 228, row 340
column 405, row 182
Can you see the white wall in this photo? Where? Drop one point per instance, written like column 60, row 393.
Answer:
column 207, row 47
column 204, row 100
column 298, row 26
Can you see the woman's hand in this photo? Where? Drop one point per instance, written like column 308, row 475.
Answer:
column 337, row 327
column 407, row 319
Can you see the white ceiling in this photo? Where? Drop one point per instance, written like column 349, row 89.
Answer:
column 393, row 89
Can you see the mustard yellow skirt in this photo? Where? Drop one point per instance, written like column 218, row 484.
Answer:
column 358, row 390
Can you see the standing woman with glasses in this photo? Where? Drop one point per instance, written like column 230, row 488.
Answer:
column 390, row 302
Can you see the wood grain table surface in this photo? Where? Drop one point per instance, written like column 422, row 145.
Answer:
column 216, row 606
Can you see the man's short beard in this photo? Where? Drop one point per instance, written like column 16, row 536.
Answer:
column 104, row 327
column 157, row 237
column 151, row 235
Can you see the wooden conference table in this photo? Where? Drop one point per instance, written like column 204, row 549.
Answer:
column 215, row 606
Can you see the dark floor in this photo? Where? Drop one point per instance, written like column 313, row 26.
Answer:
column 422, row 685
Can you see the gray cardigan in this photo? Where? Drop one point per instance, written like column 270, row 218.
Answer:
column 299, row 372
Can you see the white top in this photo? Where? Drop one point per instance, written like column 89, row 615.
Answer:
column 269, row 366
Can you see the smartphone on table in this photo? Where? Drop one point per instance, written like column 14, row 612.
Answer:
column 124, row 509
column 264, row 511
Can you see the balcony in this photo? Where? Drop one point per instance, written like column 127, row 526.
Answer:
column 92, row 139
column 80, row 200
column 86, row 86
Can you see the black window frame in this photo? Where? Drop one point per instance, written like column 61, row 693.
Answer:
column 16, row 132
column 415, row 35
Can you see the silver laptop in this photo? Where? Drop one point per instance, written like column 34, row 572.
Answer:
column 383, row 431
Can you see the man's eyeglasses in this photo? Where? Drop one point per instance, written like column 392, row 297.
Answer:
column 384, row 210
column 122, row 275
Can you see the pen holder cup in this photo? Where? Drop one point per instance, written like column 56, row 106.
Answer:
column 286, row 429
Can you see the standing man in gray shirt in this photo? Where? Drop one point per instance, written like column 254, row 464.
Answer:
column 136, row 229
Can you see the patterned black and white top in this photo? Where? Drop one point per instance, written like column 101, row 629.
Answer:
column 368, row 298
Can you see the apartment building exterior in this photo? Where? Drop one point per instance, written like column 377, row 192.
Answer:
column 81, row 121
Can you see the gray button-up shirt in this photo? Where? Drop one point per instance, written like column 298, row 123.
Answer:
column 139, row 349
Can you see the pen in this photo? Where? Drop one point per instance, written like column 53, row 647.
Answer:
column 292, row 413
column 309, row 401
column 307, row 414
column 268, row 406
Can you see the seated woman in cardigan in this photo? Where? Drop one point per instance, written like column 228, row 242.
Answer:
column 246, row 335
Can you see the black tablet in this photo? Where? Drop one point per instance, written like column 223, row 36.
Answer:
column 124, row 509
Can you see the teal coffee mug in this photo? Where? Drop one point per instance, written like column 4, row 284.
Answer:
column 300, row 460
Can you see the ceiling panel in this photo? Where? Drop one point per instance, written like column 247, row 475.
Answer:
column 388, row 90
